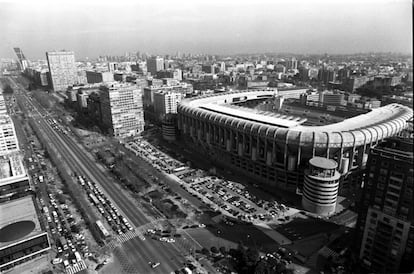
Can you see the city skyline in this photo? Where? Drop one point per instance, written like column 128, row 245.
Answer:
column 94, row 28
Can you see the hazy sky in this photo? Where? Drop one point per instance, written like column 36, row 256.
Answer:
column 93, row 28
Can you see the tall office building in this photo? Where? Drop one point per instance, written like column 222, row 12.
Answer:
column 23, row 64
column 155, row 64
column 122, row 110
column 166, row 102
column 62, row 69
column 3, row 108
column 292, row 64
column 385, row 226
column 8, row 138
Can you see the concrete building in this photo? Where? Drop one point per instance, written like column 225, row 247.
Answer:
column 155, row 64
column 333, row 99
column 112, row 67
column 122, row 109
column 178, row 74
column 386, row 219
column 99, row 77
column 14, row 181
column 320, row 190
column 38, row 75
column 149, row 91
column 3, row 108
column 166, row 102
column 22, row 237
column 62, row 69
column 8, row 138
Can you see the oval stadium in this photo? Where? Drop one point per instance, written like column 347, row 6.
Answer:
column 275, row 148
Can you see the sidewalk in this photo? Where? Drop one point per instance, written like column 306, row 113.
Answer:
column 279, row 238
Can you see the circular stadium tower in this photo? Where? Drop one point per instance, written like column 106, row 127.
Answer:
column 321, row 185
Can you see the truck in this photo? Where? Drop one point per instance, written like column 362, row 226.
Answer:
column 41, row 179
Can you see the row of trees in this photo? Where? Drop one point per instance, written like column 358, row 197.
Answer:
column 247, row 260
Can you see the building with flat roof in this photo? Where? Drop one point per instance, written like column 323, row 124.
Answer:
column 62, row 69
column 385, row 228
column 183, row 88
column 8, row 138
column 21, row 235
column 122, row 109
column 99, row 77
column 166, row 102
column 155, row 64
column 14, row 181
column 3, row 108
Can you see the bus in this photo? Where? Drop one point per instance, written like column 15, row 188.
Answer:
column 102, row 229
column 63, row 243
column 78, row 256
column 93, row 199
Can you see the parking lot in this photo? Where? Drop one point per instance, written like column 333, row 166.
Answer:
column 154, row 156
column 228, row 197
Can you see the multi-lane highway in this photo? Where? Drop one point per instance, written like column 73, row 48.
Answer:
column 136, row 253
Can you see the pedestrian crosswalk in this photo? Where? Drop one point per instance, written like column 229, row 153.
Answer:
column 75, row 268
column 118, row 240
column 129, row 235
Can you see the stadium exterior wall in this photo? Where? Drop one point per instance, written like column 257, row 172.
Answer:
column 277, row 155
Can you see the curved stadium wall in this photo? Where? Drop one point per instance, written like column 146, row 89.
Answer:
column 276, row 151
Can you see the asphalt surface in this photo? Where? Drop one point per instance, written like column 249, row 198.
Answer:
column 135, row 254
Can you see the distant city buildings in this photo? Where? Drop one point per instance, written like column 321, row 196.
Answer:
column 386, row 217
column 122, row 110
column 62, row 69
column 155, row 64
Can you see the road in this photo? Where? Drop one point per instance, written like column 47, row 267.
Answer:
column 134, row 254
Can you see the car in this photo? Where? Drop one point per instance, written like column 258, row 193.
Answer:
column 154, row 265
column 56, row 260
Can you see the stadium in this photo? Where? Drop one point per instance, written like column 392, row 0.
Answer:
column 274, row 148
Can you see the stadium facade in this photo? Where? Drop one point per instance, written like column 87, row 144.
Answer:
column 275, row 149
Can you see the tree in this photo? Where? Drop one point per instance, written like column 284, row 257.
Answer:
column 223, row 250
column 214, row 250
column 205, row 251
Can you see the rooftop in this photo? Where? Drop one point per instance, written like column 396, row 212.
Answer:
column 323, row 163
column 11, row 168
column 5, row 119
column 265, row 117
column 22, row 213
